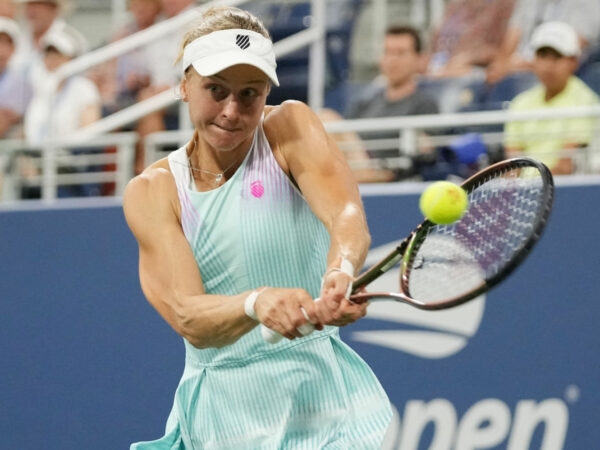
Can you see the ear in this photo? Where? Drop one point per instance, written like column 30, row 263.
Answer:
column 183, row 90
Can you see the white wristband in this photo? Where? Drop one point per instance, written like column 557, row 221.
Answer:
column 249, row 303
column 347, row 267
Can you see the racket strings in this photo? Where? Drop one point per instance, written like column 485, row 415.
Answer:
column 452, row 261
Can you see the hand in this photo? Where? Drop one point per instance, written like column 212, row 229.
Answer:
column 334, row 307
column 282, row 311
column 497, row 70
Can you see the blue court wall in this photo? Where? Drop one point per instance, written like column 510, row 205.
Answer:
column 88, row 364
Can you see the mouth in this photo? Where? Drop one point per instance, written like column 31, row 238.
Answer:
column 225, row 128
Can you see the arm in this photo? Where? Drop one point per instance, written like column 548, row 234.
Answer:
column 8, row 118
column 355, row 153
column 505, row 61
column 315, row 163
column 89, row 115
column 169, row 275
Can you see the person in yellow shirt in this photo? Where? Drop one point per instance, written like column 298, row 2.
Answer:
column 552, row 141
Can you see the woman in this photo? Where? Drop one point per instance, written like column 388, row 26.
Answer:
column 240, row 227
column 54, row 113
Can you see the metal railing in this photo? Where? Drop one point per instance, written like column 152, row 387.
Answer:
column 312, row 36
column 407, row 129
column 101, row 160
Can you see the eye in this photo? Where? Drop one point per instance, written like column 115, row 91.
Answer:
column 248, row 96
column 217, row 92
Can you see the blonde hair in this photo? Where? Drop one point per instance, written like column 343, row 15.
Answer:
column 222, row 18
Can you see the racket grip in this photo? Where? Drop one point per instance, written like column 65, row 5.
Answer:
column 273, row 337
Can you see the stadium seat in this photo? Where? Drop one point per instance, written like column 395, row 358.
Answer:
column 292, row 69
column 502, row 92
column 591, row 76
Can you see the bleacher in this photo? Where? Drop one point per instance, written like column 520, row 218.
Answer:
column 482, row 112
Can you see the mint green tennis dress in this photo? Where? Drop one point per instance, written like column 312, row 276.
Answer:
column 311, row 393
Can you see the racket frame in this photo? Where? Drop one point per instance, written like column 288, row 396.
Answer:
column 402, row 252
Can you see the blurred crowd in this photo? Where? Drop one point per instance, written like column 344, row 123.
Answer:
column 482, row 55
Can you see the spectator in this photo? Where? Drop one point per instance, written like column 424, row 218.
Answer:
column 516, row 55
column 394, row 93
column 76, row 103
column 557, row 49
column 164, row 74
column 469, row 35
column 41, row 17
column 9, row 112
column 121, row 80
column 7, row 9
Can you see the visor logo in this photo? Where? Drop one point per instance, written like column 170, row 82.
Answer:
column 242, row 41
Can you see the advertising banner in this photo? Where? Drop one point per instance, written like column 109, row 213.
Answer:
column 87, row 362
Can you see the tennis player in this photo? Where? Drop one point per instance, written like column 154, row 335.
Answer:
column 248, row 222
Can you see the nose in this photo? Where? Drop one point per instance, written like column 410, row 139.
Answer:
column 231, row 106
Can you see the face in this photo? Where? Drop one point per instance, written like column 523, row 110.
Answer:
column 145, row 12
column 173, row 7
column 226, row 108
column 7, row 8
column 53, row 59
column 553, row 69
column 400, row 60
column 7, row 49
column 40, row 15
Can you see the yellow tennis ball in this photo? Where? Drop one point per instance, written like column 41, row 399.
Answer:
column 443, row 202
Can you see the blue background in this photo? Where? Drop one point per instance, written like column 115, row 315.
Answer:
column 87, row 363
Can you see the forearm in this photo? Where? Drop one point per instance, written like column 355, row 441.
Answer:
column 350, row 238
column 204, row 320
column 8, row 118
column 214, row 320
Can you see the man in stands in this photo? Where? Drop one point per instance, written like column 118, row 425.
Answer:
column 394, row 93
column 553, row 141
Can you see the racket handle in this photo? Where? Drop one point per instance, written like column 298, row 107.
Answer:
column 273, row 337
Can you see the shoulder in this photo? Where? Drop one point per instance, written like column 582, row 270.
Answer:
column 83, row 83
column 153, row 188
column 287, row 110
column 83, row 89
column 363, row 96
column 528, row 99
column 288, row 120
column 583, row 91
column 424, row 103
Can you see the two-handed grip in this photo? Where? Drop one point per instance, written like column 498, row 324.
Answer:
column 273, row 337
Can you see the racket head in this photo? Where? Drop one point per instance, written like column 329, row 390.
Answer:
column 446, row 265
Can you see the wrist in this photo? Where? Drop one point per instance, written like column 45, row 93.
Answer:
column 250, row 302
column 345, row 267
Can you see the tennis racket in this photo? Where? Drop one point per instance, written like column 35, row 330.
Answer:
column 442, row 266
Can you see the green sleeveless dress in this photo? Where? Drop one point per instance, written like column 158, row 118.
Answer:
column 310, row 393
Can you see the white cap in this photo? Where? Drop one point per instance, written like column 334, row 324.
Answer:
column 559, row 36
column 10, row 27
column 216, row 51
column 66, row 40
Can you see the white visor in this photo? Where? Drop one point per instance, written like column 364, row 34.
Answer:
column 214, row 52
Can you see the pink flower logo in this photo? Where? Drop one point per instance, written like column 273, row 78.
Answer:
column 257, row 189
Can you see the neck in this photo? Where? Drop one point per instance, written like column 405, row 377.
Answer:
column 211, row 169
column 553, row 92
column 400, row 91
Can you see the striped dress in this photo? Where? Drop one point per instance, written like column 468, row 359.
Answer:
column 310, row 393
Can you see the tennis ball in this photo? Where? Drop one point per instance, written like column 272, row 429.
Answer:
column 443, row 202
